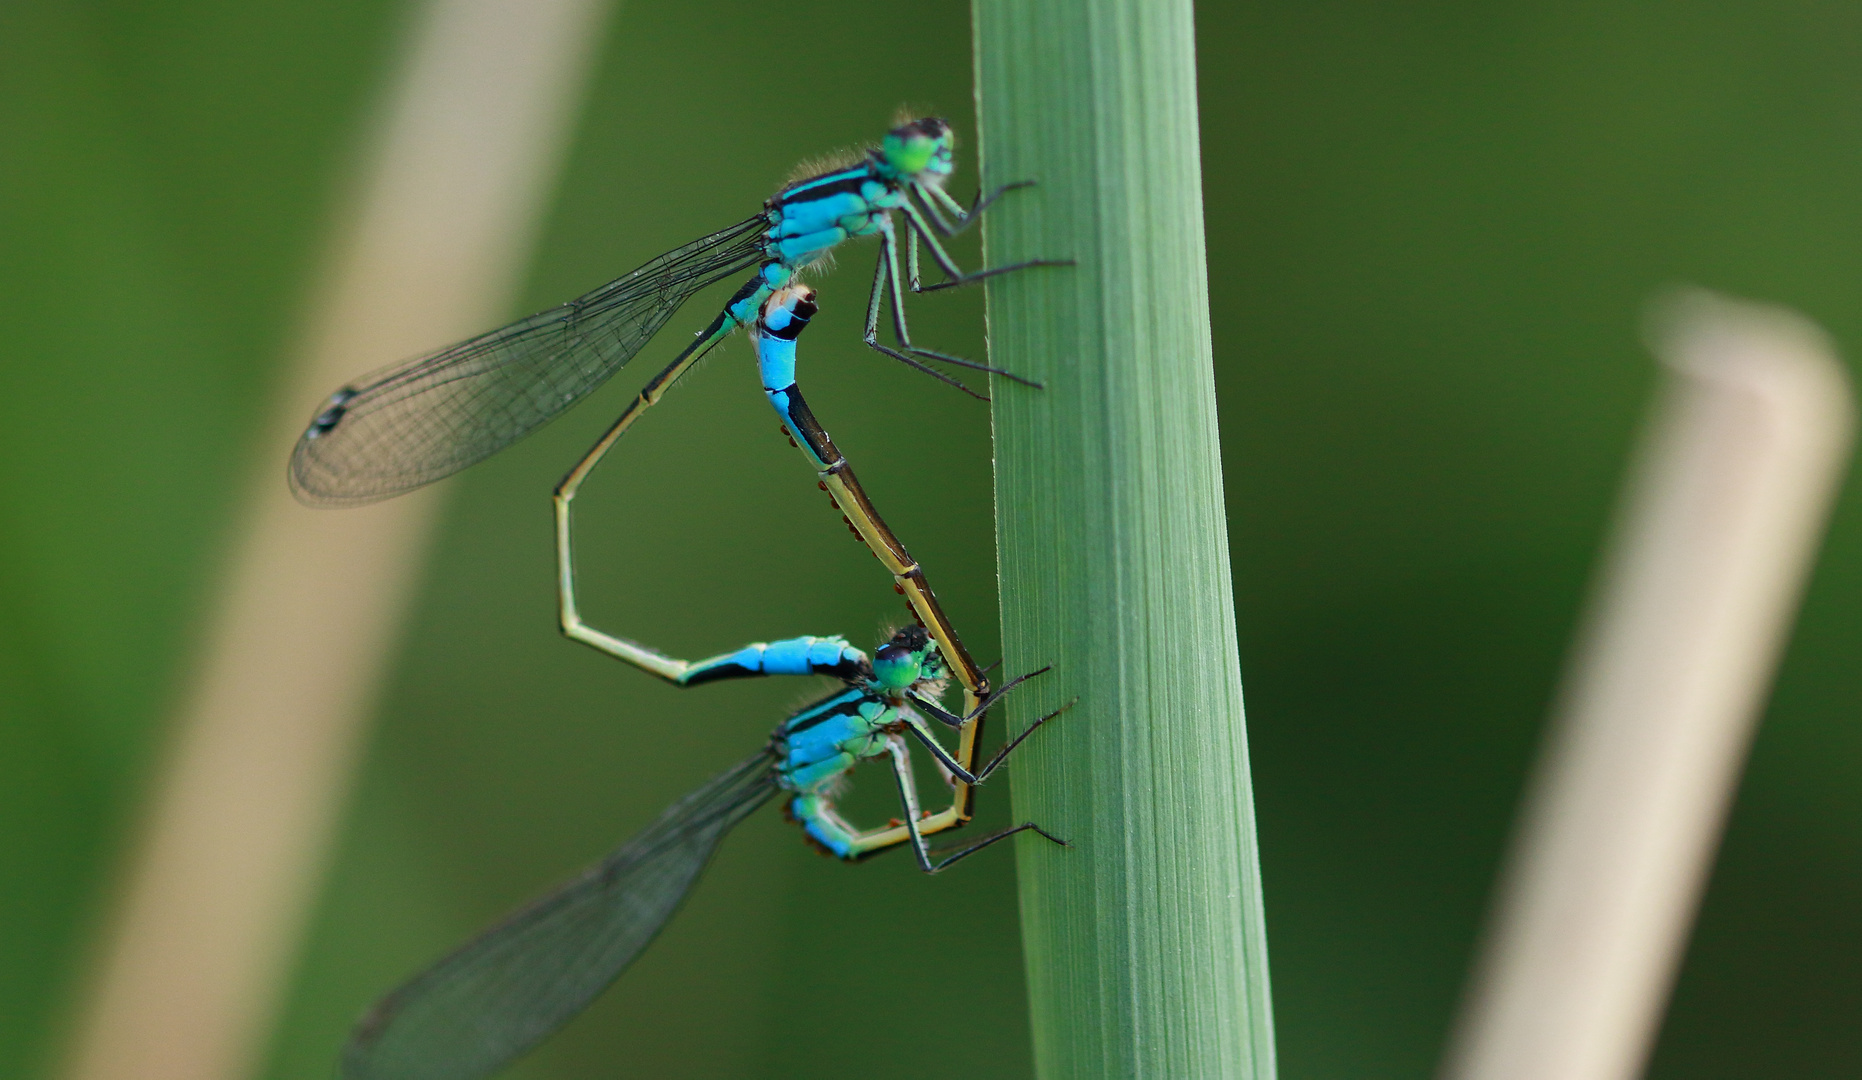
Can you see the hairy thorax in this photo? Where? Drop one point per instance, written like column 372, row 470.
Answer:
column 811, row 217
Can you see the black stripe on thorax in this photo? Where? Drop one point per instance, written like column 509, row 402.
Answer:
column 851, row 183
column 846, row 703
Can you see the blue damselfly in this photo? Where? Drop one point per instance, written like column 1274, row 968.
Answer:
column 428, row 418
column 511, row 987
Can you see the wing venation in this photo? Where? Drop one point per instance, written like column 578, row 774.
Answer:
column 503, row 992
column 432, row 416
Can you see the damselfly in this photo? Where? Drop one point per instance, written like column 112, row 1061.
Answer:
column 442, row 412
column 510, row 988
column 775, row 334
column 432, row 416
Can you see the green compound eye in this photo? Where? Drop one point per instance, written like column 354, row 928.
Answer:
column 900, row 665
column 910, row 155
column 909, row 656
column 896, row 667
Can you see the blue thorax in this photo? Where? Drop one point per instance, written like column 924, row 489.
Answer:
column 818, row 746
column 810, row 218
column 813, row 216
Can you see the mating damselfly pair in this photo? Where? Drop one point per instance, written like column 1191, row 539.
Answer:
column 500, row 994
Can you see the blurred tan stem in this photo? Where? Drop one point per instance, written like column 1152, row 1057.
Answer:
column 233, row 841
column 1716, row 533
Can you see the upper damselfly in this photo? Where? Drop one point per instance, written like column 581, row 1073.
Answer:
column 437, row 414
column 509, row 989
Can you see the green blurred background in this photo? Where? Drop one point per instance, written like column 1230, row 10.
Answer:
column 1431, row 229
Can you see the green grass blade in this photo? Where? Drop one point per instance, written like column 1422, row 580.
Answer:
column 1145, row 943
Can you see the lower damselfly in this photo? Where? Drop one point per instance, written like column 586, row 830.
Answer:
column 511, row 987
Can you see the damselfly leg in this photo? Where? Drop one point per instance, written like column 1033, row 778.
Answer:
column 901, row 757
column 889, row 284
column 950, row 719
column 885, row 278
column 952, row 766
column 936, row 197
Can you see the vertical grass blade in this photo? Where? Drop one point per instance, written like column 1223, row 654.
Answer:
column 1145, row 943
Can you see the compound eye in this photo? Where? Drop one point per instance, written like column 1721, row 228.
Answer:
column 895, row 667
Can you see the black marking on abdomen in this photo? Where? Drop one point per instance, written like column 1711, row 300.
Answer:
column 804, row 310
column 812, row 432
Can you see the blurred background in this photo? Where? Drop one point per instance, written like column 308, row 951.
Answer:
column 1431, row 230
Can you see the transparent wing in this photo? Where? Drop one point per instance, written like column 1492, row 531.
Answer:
column 434, row 415
column 502, row 993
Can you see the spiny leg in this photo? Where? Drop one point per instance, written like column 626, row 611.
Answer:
column 952, row 766
column 1002, row 754
column 936, row 198
column 1003, row 834
column 886, row 283
column 922, row 229
column 908, row 795
column 951, row 719
column 881, row 278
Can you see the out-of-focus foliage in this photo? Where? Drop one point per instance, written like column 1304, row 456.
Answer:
column 1431, row 230
column 1434, row 229
column 165, row 175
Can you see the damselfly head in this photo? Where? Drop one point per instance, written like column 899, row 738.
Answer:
column 787, row 311
column 907, row 660
column 922, row 150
